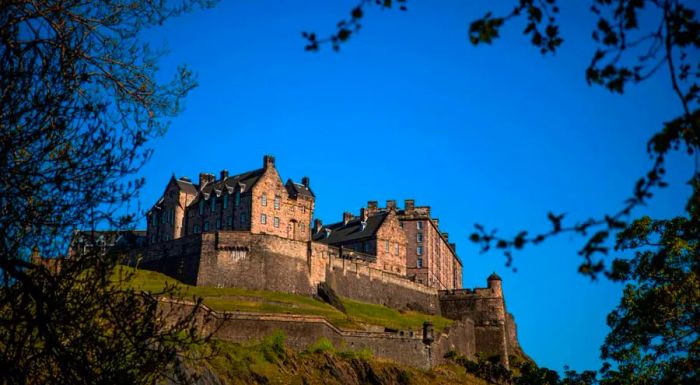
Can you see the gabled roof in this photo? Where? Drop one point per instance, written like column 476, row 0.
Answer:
column 341, row 233
column 296, row 189
column 187, row 187
column 245, row 181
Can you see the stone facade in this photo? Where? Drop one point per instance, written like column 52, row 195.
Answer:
column 255, row 201
column 431, row 259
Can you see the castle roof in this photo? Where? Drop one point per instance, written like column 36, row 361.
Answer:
column 296, row 189
column 340, row 233
column 493, row 277
column 245, row 180
column 186, row 186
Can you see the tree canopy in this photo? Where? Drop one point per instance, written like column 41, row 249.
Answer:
column 78, row 102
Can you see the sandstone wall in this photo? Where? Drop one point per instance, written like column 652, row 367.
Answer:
column 178, row 258
column 360, row 281
column 406, row 347
column 254, row 261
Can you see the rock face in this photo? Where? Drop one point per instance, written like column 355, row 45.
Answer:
column 328, row 295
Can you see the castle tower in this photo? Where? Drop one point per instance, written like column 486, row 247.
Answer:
column 495, row 284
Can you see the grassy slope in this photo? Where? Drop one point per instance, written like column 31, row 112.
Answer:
column 238, row 299
column 270, row 362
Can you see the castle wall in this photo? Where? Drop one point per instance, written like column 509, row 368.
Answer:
column 253, row 261
column 358, row 280
column 178, row 258
column 406, row 347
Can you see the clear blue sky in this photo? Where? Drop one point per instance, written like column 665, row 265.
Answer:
column 409, row 109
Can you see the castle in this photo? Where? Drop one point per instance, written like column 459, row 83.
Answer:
column 251, row 230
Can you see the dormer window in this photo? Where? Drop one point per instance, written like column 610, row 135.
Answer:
column 328, row 232
column 363, row 224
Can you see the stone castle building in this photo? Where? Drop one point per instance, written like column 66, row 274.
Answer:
column 252, row 231
column 405, row 242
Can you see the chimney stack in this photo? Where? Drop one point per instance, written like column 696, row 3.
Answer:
column 346, row 217
column 409, row 205
column 224, row 174
column 447, row 236
column 371, row 207
column 305, row 181
column 317, row 225
column 205, row 178
column 453, row 246
column 268, row 161
column 391, row 204
column 436, row 222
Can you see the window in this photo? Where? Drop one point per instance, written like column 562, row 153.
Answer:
column 263, row 219
column 276, row 222
column 303, row 209
column 386, row 246
column 218, row 224
column 263, row 200
column 419, row 250
column 172, row 216
column 154, row 220
column 419, row 263
column 366, row 245
column 195, row 229
column 302, row 227
column 206, row 226
column 201, row 206
column 237, row 201
column 229, row 221
column 242, row 218
column 396, row 251
column 277, row 202
column 226, row 201
column 419, row 225
column 419, row 237
column 213, row 203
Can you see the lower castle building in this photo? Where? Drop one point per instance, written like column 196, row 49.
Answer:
column 252, row 231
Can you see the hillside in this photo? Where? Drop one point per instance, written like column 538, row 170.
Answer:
column 270, row 362
column 360, row 315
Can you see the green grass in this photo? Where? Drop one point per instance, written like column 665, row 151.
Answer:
column 245, row 300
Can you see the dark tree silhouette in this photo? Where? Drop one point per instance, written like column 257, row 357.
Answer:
column 655, row 330
column 78, row 103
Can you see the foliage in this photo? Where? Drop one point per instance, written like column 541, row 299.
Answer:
column 655, row 330
column 78, row 103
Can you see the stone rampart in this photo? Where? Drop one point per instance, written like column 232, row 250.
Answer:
column 178, row 258
column 254, row 261
column 358, row 280
column 301, row 331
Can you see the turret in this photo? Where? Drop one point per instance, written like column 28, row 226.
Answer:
column 494, row 283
